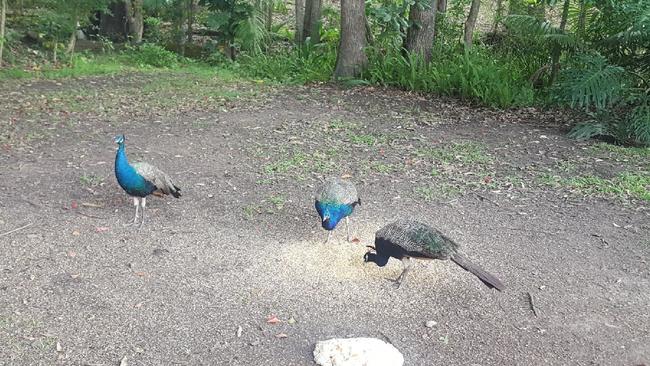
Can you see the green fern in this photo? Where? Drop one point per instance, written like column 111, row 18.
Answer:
column 639, row 122
column 594, row 83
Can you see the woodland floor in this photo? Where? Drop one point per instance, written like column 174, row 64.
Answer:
column 244, row 241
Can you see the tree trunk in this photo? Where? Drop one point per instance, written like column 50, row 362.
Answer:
column 135, row 23
column 470, row 23
column 497, row 16
column 442, row 6
column 300, row 20
column 557, row 50
column 311, row 25
column 370, row 39
column 351, row 58
column 3, row 19
column 421, row 32
column 112, row 25
column 269, row 15
column 72, row 42
column 582, row 17
column 191, row 10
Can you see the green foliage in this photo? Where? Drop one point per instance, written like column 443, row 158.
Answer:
column 591, row 83
column 148, row 54
column 152, row 30
column 229, row 17
column 473, row 75
column 300, row 64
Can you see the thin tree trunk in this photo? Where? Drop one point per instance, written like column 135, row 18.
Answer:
column 442, row 6
column 190, row 19
column 497, row 16
column 370, row 39
column 299, row 9
column 582, row 17
column 3, row 19
column 422, row 30
column 470, row 23
column 71, row 43
column 351, row 58
column 134, row 19
column 557, row 50
column 73, row 38
column 269, row 15
column 311, row 27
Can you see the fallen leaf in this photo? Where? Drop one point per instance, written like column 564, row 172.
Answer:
column 72, row 253
column 356, row 240
column 281, row 335
column 138, row 305
column 74, row 205
column 75, row 275
column 346, row 176
column 487, row 179
column 58, row 347
column 141, row 274
column 272, row 319
column 291, row 320
column 239, row 331
column 76, row 233
column 101, row 229
column 93, row 205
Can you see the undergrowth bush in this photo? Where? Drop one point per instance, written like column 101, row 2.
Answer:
column 149, row 54
column 303, row 64
column 472, row 75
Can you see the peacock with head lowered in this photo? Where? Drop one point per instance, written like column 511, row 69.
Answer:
column 141, row 179
column 336, row 199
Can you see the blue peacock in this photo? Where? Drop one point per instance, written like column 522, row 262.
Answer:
column 336, row 199
column 141, row 179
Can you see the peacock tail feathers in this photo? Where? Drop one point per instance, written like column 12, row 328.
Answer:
column 336, row 190
column 158, row 178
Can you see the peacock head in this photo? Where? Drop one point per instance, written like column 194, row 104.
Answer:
column 380, row 260
column 119, row 139
column 330, row 222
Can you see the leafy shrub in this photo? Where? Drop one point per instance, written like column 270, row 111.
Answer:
column 148, row 54
column 473, row 75
column 152, row 30
column 300, row 64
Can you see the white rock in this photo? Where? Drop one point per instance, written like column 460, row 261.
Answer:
column 357, row 352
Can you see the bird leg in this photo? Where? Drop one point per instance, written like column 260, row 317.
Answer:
column 407, row 265
column 143, row 203
column 329, row 236
column 347, row 227
column 136, row 203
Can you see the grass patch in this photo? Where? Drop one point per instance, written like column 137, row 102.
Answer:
column 364, row 139
column 625, row 185
column 300, row 163
column 90, row 180
column 621, row 151
column 341, row 125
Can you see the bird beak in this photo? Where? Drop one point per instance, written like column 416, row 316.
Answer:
column 325, row 219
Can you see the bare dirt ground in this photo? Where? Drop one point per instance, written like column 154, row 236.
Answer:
column 244, row 242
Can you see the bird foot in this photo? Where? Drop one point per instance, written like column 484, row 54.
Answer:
column 396, row 283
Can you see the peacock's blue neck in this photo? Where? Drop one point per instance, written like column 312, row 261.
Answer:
column 333, row 212
column 128, row 178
